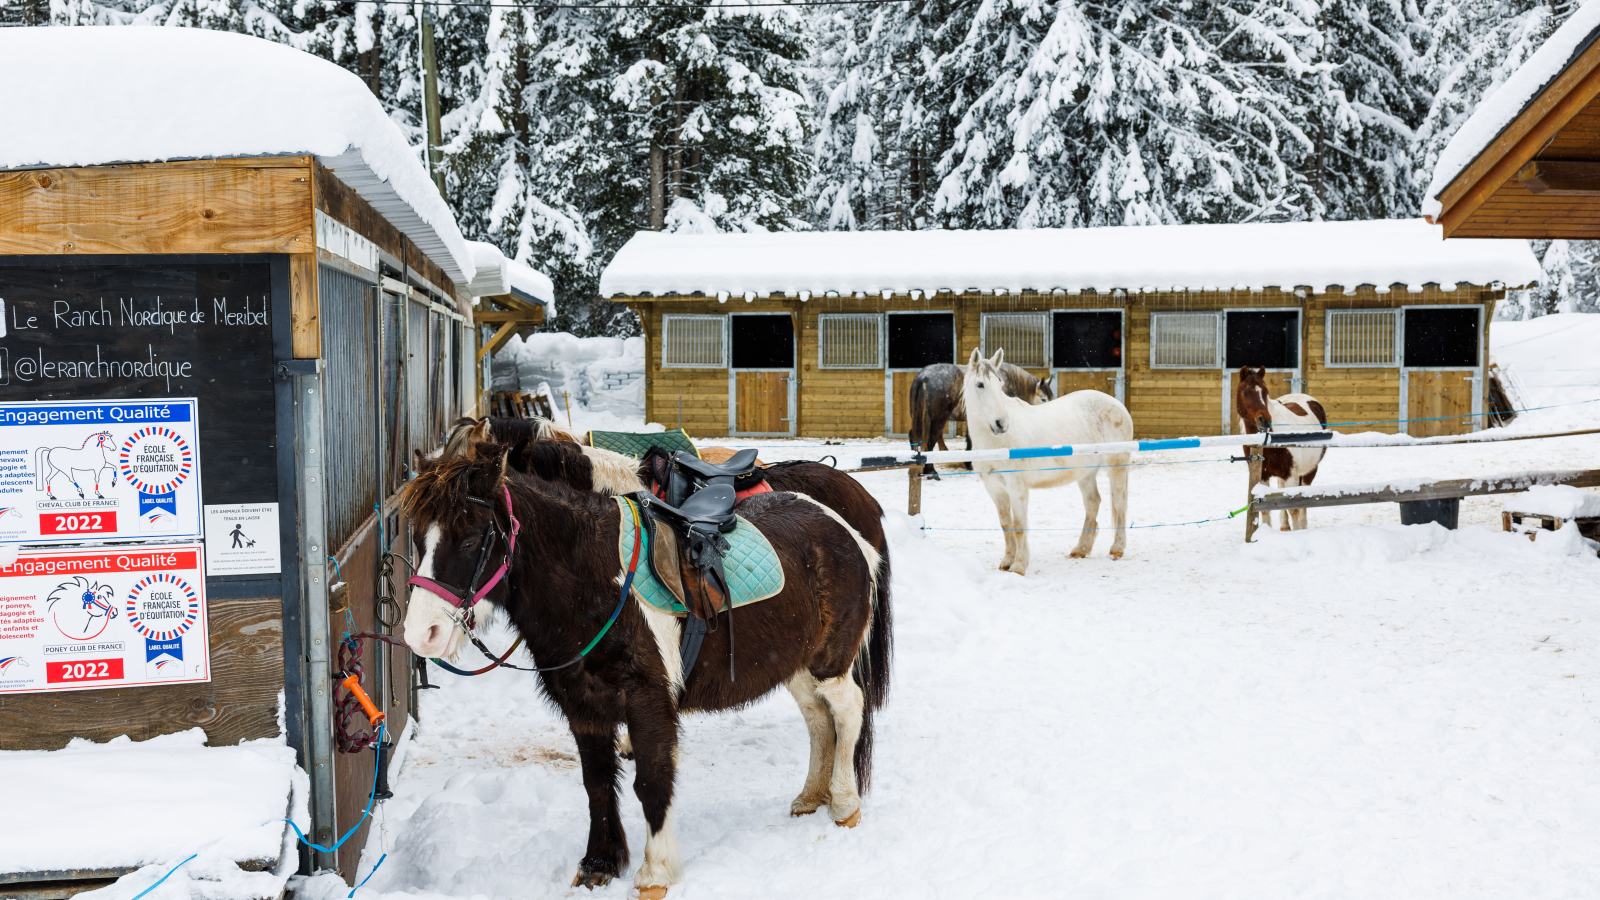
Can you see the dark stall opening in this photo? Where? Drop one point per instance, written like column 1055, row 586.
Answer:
column 762, row 341
column 921, row 339
column 1087, row 340
column 1269, row 338
column 1441, row 338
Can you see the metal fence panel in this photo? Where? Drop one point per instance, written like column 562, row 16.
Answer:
column 850, row 341
column 1185, row 340
column 417, row 328
column 349, row 339
column 1362, row 337
column 1024, row 336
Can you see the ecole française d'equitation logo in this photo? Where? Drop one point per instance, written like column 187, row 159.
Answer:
column 156, row 623
column 177, row 470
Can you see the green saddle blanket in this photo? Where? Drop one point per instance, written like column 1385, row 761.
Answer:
column 637, row 444
column 753, row 569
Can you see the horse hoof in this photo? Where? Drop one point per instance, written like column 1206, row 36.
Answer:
column 1116, row 554
column 805, row 806
column 653, row 892
column 850, row 821
column 1077, row 554
column 591, row 880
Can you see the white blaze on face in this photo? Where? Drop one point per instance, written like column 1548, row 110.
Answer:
column 430, row 622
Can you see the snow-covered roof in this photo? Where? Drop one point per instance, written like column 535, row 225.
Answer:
column 499, row 275
column 94, row 96
column 1163, row 257
column 1506, row 103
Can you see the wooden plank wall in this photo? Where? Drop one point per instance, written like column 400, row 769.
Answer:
column 208, row 206
column 240, row 703
column 1163, row 402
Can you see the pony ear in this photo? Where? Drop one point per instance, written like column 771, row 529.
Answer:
column 972, row 361
column 480, row 431
column 998, row 357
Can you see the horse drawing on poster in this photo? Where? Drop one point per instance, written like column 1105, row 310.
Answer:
column 93, row 457
column 82, row 600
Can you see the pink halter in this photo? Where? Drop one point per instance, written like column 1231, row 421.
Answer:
column 466, row 600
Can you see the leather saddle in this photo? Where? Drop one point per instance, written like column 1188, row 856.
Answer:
column 680, row 475
column 686, row 552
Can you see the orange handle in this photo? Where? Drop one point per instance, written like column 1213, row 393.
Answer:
column 353, row 685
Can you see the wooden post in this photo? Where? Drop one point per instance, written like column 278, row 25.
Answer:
column 914, row 491
column 1250, row 516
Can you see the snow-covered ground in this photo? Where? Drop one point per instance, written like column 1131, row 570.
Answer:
column 1360, row 710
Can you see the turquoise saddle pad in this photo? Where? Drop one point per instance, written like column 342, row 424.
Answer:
column 752, row 566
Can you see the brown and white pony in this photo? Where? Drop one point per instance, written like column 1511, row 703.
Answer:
column 608, row 472
column 1288, row 466
column 563, row 583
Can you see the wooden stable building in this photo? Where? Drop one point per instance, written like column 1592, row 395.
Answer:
column 820, row 334
column 1526, row 164
column 294, row 269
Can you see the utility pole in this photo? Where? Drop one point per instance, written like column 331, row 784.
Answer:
column 430, row 101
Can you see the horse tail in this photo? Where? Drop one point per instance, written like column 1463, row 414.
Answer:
column 871, row 669
column 919, row 410
column 41, row 459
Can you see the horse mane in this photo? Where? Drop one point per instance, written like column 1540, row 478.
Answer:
column 552, row 461
column 510, row 431
column 438, row 492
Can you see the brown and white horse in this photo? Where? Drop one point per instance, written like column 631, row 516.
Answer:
column 1288, row 466
column 561, row 585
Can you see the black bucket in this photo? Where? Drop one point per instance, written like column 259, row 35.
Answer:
column 1446, row 512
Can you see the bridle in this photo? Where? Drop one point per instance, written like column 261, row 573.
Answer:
column 467, row 599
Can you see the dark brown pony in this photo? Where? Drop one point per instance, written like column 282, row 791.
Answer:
column 1259, row 411
column 563, row 585
column 935, row 398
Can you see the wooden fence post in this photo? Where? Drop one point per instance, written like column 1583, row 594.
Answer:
column 1250, row 516
column 914, row 491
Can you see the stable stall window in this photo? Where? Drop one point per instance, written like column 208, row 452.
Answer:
column 1184, row 340
column 850, row 341
column 1441, row 338
column 693, row 342
column 1361, row 337
column 1087, row 340
column 1269, row 338
column 921, row 339
column 762, row 341
column 1024, row 337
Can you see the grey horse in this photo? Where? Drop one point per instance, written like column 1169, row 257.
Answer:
column 936, row 401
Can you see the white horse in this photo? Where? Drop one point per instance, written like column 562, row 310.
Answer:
column 54, row 462
column 995, row 420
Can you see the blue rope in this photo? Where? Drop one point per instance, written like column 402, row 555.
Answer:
column 377, row 766
column 368, row 878
column 163, row 878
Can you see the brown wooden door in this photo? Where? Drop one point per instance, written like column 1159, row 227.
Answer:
column 1067, row 382
column 1278, row 384
column 1443, row 400
column 900, row 401
column 761, row 402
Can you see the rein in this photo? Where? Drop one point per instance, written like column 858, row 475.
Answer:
column 461, row 601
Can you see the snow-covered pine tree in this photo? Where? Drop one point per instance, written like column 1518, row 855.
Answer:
column 1124, row 114
column 881, row 126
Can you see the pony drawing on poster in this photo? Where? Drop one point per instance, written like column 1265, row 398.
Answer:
column 81, row 608
column 995, row 420
column 93, row 457
column 1288, row 467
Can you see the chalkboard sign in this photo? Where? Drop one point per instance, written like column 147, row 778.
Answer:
column 149, row 330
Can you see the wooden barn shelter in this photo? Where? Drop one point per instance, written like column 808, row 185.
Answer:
column 331, row 335
column 1526, row 163
column 821, row 333
column 509, row 297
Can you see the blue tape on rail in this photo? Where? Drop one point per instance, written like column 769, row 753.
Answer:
column 1037, row 452
column 1172, row 444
